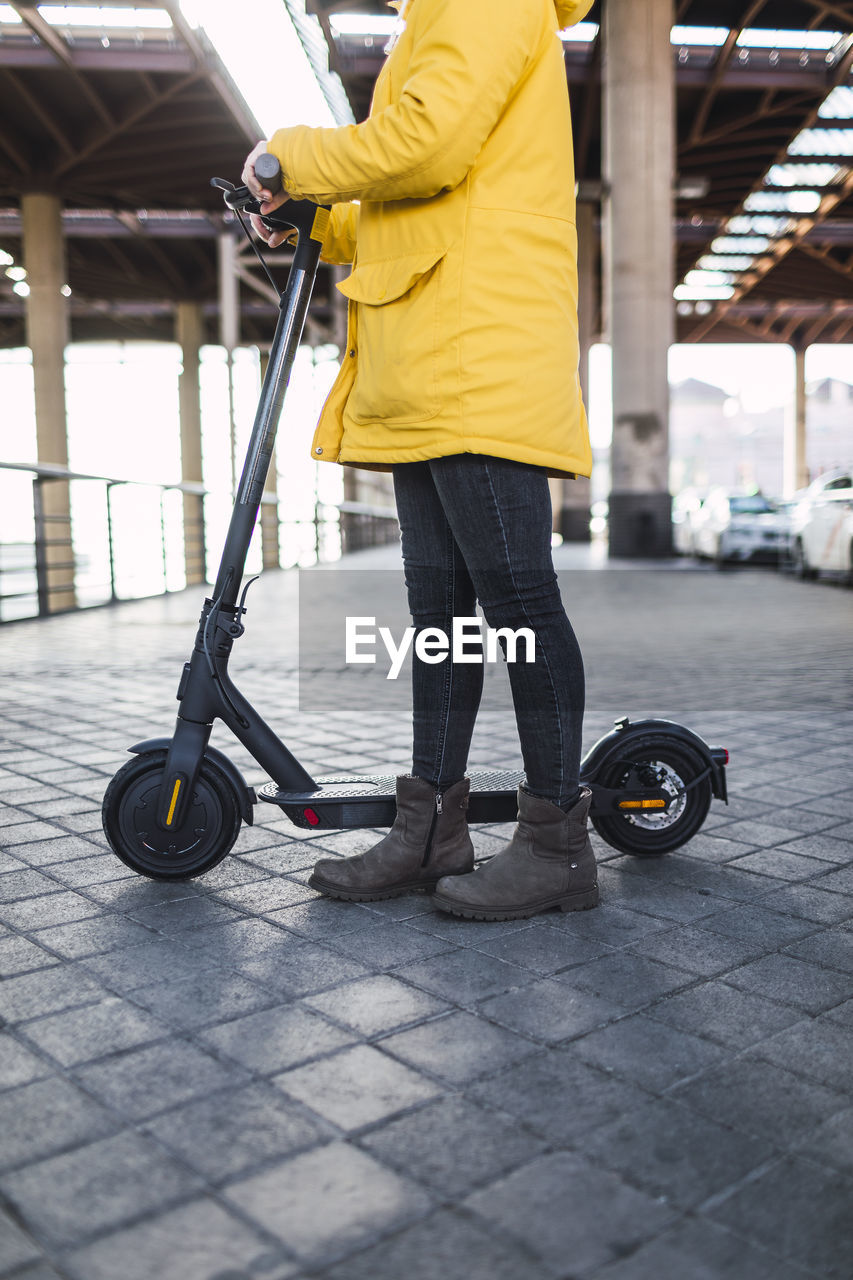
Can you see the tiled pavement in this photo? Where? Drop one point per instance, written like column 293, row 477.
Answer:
column 232, row 1078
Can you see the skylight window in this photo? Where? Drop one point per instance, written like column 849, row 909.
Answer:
column 580, row 33
column 698, row 279
column 362, row 24
column 767, row 38
column 822, row 142
column 802, row 175
column 763, row 225
column 838, row 105
column 726, row 262
column 712, row 37
column 72, row 15
column 740, row 244
column 701, row 293
column 782, row 201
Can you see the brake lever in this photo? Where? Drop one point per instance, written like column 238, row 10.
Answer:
column 241, row 200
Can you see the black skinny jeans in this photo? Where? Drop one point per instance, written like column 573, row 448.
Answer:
column 479, row 528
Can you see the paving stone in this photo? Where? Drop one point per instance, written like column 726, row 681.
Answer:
column 542, row 949
column 674, row 1153
column 83, row 872
column 16, row 1247
column 28, row 833
column 230, row 1134
column 50, row 846
column 810, row 902
column 203, row 999
column 300, row 968
column 199, row 1241
column 361, row 1200
column 842, row 1013
column 754, row 923
column 550, row 1203
column 157, row 960
column 464, row 977
column 49, row 909
column 616, row 926
column 458, row 932
column 760, row 833
column 557, row 1096
column 793, row 982
column 15, row 885
column 761, row 1098
column 376, row 1004
column 700, row 1250
column 18, row 955
column 817, row 1048
column 831, row 1143
column 840, row 881
column 458, row 1048
column 647, row 1052
column 356, row 1087
column 387, row 944
column 47, row 1116
column 724, row 1013
column 832, row 948
column 173, row 918
column 95, row 1188
column 697, row 950
column 88, row 937
column 781, row 863
column 830, row 846
column 321, row 918
column 444, row 1245
column 93, row 1031
column 798, row 1211
column 265, row 896
column 626, row 979
column 275, row 1039
column 452, row 1145
column 141, row 1082
column 551, row 1010
column 18, row 1064
column 30, row 995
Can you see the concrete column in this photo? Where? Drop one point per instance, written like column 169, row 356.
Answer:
column 796, row 472
column 639, row 147
column 48, row 335
column 573, row 521
column 229, row 331
column 189, row 333
column 270, row 549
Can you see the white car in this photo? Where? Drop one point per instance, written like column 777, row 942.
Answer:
column 822, row 527
column 740, row 526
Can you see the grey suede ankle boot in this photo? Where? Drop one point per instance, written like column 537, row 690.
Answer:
column 429, row 839
column 549, row 862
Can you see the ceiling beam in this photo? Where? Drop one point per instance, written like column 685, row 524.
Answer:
column 720, row 68
column 52, row 40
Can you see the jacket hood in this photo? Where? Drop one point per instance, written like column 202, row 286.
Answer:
column 571, row 11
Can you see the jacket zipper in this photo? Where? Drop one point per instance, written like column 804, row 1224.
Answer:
column 439, row 808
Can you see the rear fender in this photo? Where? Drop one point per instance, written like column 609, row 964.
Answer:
column 614, row 745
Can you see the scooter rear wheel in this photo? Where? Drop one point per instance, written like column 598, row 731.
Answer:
column 204, row 838
column 673, row 766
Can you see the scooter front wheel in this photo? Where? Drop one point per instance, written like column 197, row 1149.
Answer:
column 206, row 835
column 674, row 767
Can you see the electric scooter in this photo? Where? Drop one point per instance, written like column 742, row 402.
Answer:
column 175, row 809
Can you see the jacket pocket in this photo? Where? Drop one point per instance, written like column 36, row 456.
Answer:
column 397, row 337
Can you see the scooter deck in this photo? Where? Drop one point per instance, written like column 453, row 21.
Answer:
column 341, row 802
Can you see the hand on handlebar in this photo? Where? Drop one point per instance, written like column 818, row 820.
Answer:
column 268, row 201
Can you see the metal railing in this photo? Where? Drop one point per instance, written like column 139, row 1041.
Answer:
column 128, row 539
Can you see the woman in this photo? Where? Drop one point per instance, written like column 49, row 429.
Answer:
column 454, row 201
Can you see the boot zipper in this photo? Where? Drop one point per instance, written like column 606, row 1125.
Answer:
column 439, row 808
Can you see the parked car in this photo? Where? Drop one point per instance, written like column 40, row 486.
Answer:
column 686, row 509
column 740, row 526
column 821, row 535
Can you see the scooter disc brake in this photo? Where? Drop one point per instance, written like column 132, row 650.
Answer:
column 667, row 780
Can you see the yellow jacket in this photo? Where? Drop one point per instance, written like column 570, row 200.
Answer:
column 454, row 201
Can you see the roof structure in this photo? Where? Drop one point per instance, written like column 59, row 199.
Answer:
column 764, row 210
column 128, row 121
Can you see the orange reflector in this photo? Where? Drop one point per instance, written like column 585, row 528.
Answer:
column 174, row 802
column 642, row 804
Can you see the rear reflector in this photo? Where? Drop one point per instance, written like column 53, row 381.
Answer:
column 311, row 817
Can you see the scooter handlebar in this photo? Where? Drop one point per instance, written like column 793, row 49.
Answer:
column 268, row 172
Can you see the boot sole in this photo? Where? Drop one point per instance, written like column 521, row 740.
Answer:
column 378, row 895
column 583, row 901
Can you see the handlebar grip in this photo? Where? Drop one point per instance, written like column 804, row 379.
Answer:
column 268, row 172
